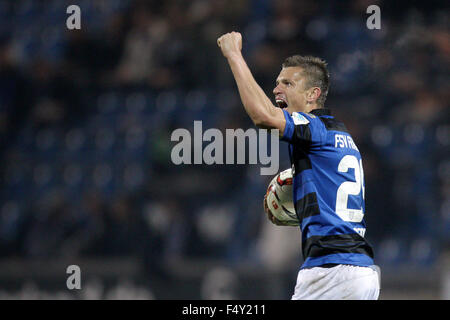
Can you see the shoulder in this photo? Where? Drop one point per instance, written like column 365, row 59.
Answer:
column 329, row 122
column 333, row 124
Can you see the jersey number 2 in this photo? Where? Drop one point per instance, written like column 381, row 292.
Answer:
column 350, row 188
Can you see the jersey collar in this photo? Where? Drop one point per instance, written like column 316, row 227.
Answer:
column 321, row 112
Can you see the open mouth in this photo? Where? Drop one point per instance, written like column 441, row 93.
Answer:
column 281, row 103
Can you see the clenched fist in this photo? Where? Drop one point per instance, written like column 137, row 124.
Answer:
column 230, row 43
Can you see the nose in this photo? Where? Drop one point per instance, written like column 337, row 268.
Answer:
column 276, row 90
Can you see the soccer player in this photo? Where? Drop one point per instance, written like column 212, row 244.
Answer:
column 328, row 182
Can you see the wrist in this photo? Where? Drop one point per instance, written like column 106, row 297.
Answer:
column 234, row 56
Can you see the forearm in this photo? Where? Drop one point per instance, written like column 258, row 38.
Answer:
column 256, row 103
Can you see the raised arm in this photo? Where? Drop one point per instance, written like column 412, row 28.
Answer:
column 257, row 105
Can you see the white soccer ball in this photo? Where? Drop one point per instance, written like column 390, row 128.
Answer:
column 279, row 198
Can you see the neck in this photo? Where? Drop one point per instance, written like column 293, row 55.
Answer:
column 310, row 107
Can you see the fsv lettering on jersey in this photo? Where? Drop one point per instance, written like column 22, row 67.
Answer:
column 344, row 141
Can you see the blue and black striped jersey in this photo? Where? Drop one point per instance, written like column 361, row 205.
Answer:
column 328, row 189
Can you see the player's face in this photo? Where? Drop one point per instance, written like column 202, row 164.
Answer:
column 289, row 91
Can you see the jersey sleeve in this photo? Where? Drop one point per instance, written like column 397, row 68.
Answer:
column 303, row 129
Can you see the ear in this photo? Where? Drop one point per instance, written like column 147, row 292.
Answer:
column 313, row 94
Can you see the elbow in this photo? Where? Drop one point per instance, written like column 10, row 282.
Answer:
column 263, row 121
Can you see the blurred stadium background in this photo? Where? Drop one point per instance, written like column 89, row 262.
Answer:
column 85, row 123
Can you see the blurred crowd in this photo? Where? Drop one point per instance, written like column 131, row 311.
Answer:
column 86, row 117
